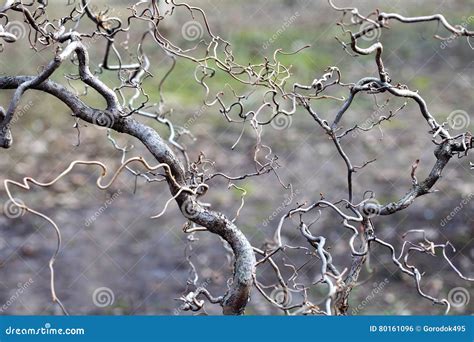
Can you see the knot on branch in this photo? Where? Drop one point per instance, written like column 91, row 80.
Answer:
column 460, row 145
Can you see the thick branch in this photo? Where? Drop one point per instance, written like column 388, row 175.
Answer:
column 236, row 298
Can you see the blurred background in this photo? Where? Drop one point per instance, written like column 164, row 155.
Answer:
column 143, row 261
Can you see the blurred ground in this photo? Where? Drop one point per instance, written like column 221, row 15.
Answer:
column 143, row 261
